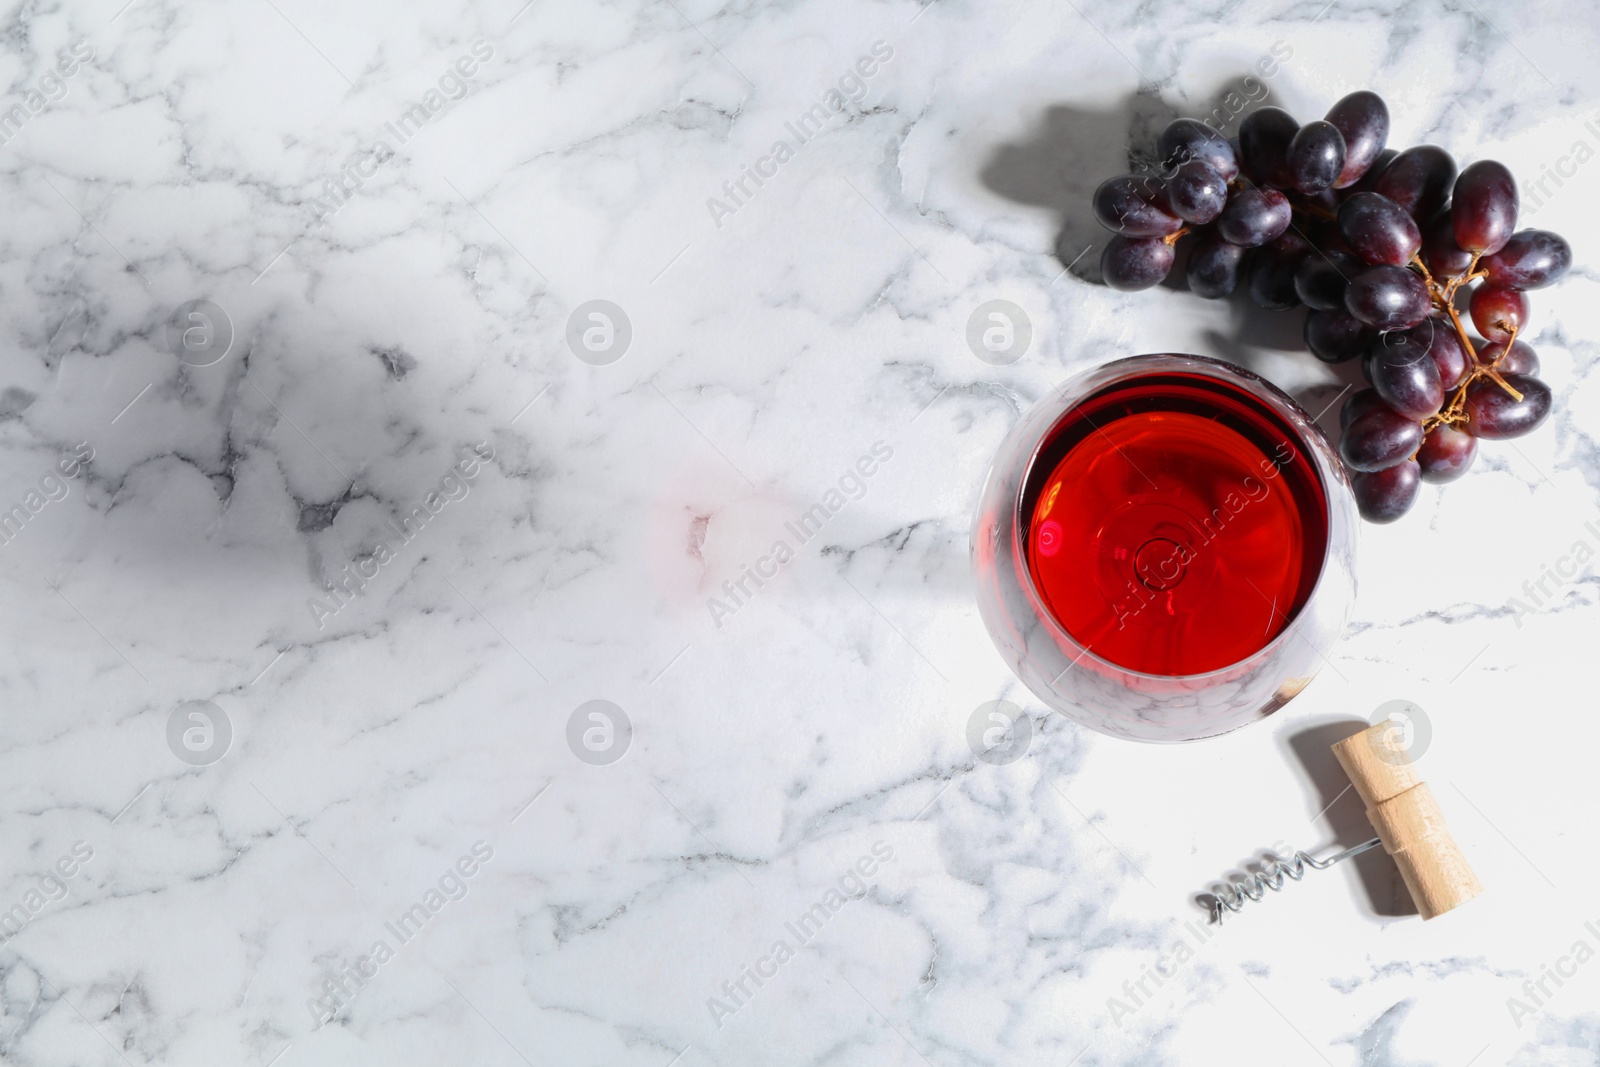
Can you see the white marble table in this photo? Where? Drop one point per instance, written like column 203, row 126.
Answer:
column 247, row 820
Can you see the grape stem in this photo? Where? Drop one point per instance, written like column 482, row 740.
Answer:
column 1466, row 277
column 1443, row 295
column 1316, row 210
column 1455, row 410
column 1172, row 238
column 1433, row 286
column 1495, row 375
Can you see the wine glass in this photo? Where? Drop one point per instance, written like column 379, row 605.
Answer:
column 1164, row 548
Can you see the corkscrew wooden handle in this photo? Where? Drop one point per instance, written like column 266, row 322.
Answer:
column 1406, row 816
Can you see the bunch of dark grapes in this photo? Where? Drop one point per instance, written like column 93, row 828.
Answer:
column 1385, row 248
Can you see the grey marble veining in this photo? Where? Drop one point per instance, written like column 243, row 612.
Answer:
column 305, row 622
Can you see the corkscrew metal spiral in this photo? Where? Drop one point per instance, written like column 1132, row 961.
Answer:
column 1232, row 895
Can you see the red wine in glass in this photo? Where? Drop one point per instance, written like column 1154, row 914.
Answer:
column 1163, row 551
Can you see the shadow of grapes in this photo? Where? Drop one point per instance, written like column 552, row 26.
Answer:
column 1072, row 149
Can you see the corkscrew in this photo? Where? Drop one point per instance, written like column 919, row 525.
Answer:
column 1254, row 885
column 1410, row 827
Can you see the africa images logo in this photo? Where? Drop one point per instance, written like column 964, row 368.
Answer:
column 852, row 485
column 355, row 576
column 851, row 87
column 453, row 85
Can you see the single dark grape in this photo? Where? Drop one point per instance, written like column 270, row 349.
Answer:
column 1436, row 339
column 1388, row 298
column 1484, row 207
column 1323, row 202
column 1379, row 230
column 1368, row 182
column 1186, row 139
column 1379, row 438
column 1325, row 235
column 1446, row 453
column 1316, row 157
column 1264, row 138
column 1321, row 278
column 1444, row 257
column 1132, row 205
column 1383, row 496
column 1360, row 402
column 1497, row 312
column 1132, row 263
column 1522, row 359
column 1272, row 272
column 1419, row 180
column 1362, row 119
column 1254, row 217
column 1336, row 336
column 1214, row 267
column 1405, row 375
column 1494, row 414
column 1532, row 259
column 1196, row 192
column 1443, row 344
